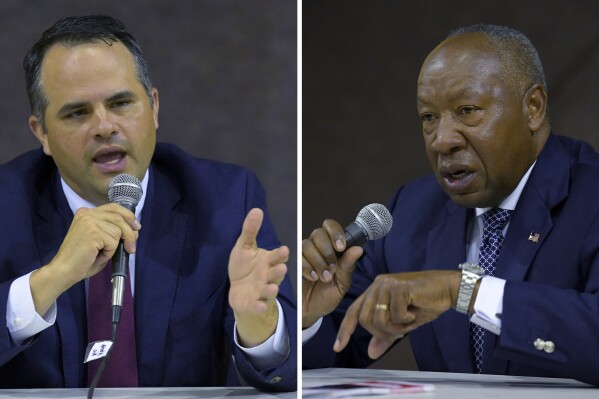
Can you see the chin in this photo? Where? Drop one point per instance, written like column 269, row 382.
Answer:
column 471, row 200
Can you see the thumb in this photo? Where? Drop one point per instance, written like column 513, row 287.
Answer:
column 347, row 264
column 251, row 227
column 348, row 260
column 378, row 346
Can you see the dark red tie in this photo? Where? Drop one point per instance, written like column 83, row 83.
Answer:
column 121, row 369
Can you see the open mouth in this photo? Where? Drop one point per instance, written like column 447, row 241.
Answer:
column 456, row 176
column 110, row 158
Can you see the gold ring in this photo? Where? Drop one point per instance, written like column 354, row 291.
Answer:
column 381, row 306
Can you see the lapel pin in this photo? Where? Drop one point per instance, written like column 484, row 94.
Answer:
column 534, row 237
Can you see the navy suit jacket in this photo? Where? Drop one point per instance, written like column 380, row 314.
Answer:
column 552, row 288
column 191, row 219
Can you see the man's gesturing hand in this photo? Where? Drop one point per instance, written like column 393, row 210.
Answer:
column 396, row 304
column 255, row 275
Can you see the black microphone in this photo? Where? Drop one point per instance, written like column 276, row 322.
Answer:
column 126, row 191
column 374, row 221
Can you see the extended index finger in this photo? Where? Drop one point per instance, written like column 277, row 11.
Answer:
column 348, row 325
column 251, row 227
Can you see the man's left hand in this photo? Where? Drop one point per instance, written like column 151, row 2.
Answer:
column 255, row 275
column 396, row 304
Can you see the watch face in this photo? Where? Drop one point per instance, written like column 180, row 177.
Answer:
column 472, row 267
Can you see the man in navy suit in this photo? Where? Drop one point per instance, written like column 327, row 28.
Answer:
column 206, row 265
column 511, row 203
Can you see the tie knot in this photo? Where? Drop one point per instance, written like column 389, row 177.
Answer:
column 496, row 219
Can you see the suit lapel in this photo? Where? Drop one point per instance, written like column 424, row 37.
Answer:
column 546, row 188
column 53, row 220
column 160, row 247
column 530, row 225
column 446, row 248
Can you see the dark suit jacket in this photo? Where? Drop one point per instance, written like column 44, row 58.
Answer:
column 191, row 219
column 552, row 289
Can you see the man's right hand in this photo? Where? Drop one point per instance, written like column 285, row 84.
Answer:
column 326, row 278
column 91, row 241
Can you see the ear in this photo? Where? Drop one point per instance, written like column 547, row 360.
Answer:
column 38, row 131
column 156, row 105
column 535, row 107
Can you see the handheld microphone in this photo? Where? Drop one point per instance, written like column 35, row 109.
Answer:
column 126, row 191
column 374, row 221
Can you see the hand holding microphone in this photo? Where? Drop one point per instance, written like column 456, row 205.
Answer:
column 92, row 239
column 323, row 251
column 329, row 256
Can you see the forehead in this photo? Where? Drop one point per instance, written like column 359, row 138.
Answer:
column 74, row 56
column 463, row 65
column 87, row 65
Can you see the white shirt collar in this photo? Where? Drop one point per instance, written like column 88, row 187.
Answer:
column 76, row 202
column 511, row 200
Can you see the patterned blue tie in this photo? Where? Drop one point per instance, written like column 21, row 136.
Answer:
column 494, row 221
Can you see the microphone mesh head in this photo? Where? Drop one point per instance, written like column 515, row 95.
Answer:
column 125, row 188
column 376, row 220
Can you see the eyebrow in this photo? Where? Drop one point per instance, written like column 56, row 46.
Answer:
column 70, row 107
column 74, row 106
column 121, row 95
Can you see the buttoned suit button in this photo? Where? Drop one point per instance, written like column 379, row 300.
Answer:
column 275, row 380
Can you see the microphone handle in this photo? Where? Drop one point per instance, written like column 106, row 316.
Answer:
column 355, row 234
column 120, row 269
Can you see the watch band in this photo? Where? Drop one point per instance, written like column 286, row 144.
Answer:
column 471, row 273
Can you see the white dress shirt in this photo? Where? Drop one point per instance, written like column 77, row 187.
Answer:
column 24, row 322
column 488, row 305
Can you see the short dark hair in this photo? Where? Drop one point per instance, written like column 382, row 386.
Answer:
column 520, row 60
column 73, row 31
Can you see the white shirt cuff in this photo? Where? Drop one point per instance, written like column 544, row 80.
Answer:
column 22, row 320
column 488, row 306
column 311, row 331
column 271, row 352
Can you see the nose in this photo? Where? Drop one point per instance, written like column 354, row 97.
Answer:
column 105, row 126
column 447, row 138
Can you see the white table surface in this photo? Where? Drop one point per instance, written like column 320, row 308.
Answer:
column 125, row 393
column 459, row 386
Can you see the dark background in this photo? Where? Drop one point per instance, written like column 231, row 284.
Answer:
column 226, row 71
column 361, row 133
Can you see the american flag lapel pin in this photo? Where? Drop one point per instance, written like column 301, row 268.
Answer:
column 534, row 237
